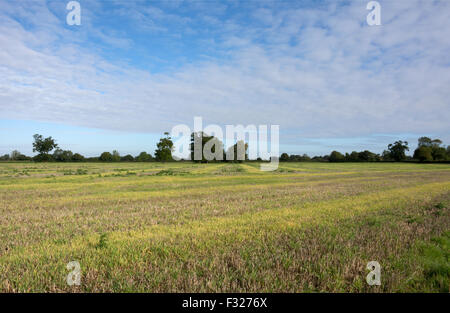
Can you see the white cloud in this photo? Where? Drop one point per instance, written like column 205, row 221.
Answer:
column 322, row 72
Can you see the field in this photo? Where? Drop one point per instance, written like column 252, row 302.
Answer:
column 183, row 227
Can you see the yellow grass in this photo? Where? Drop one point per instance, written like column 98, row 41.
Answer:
column 155, row 227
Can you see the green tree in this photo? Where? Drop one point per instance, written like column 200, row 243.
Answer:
column 43, row 157
column 397, row 150
column 127, row 158
column 77, row 157
column 144, row 157
column 212, row 144
column 298, row 158
column 336, row 156
column 439, row 153
column 237, row 152
column 5, row 157
column 367, row 156
column 353, row 157
column 423, row 153
column 436, row 143
column 305, row 157
column 284, row 157
column 106, row 157
column 386, row 156
column 43, row 146
column 62, row 155
column 115, row 156
column 424, row 142
column 15, row 155
column 164, row 149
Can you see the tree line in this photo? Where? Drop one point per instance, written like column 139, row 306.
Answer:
column 428, row 150
column 49, row 151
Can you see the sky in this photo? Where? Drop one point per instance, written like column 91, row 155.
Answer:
column 134, row 69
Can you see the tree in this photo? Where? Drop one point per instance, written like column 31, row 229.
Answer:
column 77, row 157
column 115, row 156
column 367, row 156
column 127, row 158
column 15, row 155
column 425, row 145
column 237, row 152
column 386, row 156
column 144, row 157
column 106, row 157
column 299, row 158
column 439, row 153
column 436, row 143
column 213, row 146
column 4, row 157
column 423, row 153
column 397, row 150
column 62, row 155
column 336, row 156
column 284, row 157
column 305, row 157
column 164, row 149
column 424, row 142
column 353, row 157
column 319, row 158
column 43, row 145
column 43, row 157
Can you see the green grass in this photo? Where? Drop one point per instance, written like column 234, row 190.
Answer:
column 152, row 227
column 435, row 255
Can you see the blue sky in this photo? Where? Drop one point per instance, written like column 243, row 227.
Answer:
column 134, row 69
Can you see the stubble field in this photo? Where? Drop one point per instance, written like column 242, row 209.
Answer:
column 184, row 227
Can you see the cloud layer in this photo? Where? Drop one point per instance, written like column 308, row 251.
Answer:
column 317, row 71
